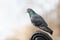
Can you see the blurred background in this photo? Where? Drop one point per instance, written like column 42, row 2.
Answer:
column 13, row 15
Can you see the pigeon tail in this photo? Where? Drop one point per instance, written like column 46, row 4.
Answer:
column 47, row 29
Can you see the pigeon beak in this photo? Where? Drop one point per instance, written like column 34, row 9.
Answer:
column 47, row 30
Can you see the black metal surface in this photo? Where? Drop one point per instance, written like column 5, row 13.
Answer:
column 40, row 36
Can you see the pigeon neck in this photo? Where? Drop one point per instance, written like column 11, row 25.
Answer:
column 32, row 13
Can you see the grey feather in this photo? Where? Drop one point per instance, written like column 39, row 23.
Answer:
column 38, row 21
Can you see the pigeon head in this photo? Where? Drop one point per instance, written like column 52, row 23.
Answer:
column 31, row 12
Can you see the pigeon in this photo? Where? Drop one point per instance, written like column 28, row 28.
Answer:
column 38, row 21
